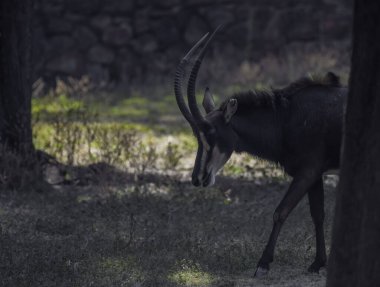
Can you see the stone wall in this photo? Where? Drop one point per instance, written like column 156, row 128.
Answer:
column 126, row 40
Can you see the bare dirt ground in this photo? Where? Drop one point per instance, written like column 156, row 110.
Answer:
column 107, row 229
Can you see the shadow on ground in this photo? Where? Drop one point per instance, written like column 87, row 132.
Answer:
column 111, row 229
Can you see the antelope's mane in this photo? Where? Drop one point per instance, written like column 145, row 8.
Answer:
column 273, row 98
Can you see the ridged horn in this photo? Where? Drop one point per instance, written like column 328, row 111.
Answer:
column 178, row 84
column 197, row 115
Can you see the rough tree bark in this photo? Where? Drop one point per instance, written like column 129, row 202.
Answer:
column 15, row 75
column 355, row 251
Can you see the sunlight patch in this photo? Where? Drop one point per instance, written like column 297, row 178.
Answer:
column 191, row 275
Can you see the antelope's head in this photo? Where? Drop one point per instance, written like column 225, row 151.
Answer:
column 213, row 131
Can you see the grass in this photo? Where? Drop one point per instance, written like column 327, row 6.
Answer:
column 114, row 270
column 159, row 231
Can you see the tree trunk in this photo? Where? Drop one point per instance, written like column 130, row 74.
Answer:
column 15, row 75
column 355, row 250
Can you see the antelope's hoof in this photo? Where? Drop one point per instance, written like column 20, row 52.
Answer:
column 315, row 266
column 261, row 272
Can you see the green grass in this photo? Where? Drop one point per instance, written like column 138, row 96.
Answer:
column 137, row 108
column 191, row 276
column 52, row 105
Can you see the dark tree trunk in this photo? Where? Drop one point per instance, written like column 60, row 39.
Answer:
column 15, row 75
column 355, row 251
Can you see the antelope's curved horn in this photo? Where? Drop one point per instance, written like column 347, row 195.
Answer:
column 198, row 118
column 178, row 84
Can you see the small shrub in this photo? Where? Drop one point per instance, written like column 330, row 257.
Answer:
column 172, row 156
column 144, row 156
column 115, row 143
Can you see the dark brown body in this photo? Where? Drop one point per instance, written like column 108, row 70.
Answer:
column 302, row 132
column 306, row 126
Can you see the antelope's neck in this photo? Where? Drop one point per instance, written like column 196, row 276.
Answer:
column 258, row 133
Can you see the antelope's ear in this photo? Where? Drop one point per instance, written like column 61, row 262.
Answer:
column 208, row 101
column 230, row 109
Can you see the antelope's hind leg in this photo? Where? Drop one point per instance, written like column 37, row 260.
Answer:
column 316, row 201
column 300, row 185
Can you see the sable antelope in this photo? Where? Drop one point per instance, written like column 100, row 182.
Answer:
column 298, row 127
